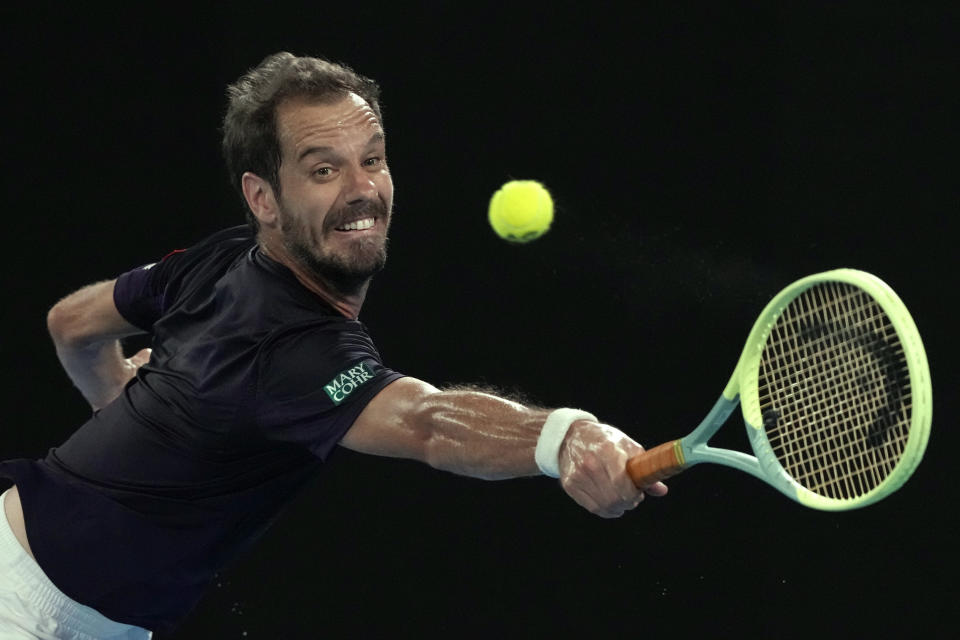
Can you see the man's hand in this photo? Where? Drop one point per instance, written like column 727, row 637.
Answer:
column 130, row 367
column 593, row 469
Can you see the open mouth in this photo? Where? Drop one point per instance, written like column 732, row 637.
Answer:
column 358, row 225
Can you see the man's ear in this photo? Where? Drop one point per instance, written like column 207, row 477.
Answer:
column 260, row 198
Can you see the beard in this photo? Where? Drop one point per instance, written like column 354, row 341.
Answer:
column 348, row 271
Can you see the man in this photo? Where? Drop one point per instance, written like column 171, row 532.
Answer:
column 259, row 367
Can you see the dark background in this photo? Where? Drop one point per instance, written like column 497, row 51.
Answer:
column 701, row 158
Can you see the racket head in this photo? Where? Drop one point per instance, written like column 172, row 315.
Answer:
column 835, row 390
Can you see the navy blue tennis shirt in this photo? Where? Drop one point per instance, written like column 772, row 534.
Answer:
column 252, row 382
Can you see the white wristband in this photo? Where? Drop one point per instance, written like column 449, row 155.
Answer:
column 551, row 437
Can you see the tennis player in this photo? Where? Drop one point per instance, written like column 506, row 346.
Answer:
column 259, row 368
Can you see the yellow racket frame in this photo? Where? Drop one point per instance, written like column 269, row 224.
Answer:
column 743, row 389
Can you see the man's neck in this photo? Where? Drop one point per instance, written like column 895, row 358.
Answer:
column 347, row 304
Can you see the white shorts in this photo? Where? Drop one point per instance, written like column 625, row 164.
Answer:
column 32, row 607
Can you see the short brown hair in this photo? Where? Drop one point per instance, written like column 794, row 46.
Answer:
column 250, row 141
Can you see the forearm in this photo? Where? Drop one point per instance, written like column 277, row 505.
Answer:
column 480, row 435
column 474, row 433
column 97, row 369
column 477, row 434
column 86, row 330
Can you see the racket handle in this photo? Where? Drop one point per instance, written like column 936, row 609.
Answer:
column 656, row 464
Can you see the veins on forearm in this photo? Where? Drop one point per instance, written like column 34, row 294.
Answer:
column 478, row 433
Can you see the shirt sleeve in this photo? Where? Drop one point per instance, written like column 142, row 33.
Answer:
column 314, row 383
column 139, row 294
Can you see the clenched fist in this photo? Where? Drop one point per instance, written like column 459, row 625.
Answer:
column 593, row 469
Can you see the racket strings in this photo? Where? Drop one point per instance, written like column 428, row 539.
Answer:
column 834, row 391
column 829, row 471
column 787, row 347
column 862, row 321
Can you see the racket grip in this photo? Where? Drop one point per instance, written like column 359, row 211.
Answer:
column 656, row 464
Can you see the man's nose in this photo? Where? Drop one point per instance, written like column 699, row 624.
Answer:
column 359, row 186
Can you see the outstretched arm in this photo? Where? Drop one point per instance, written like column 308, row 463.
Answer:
column 478, row 434
column 86, row 329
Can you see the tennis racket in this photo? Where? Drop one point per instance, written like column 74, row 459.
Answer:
column 835, row 391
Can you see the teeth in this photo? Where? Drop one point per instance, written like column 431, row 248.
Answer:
column 358, row 225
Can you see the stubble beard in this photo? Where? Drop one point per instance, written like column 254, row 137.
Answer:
column 348, row 272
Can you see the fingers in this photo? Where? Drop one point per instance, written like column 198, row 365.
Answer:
column 593, row 471
column 599, row 496
column 141, row 357
column 657, row 489
column 605, row 510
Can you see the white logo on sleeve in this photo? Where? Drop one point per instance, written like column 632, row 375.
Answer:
column 346, row 382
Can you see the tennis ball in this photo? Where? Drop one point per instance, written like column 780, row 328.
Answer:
column 521, row 211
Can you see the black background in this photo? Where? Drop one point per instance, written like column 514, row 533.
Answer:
column 701, row 158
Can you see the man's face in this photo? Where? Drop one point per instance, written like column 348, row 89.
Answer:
column 336, row 190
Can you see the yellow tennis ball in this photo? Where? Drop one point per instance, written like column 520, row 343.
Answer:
column 521, row 211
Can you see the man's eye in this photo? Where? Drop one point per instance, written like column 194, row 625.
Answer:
column 323, row 172
column 373, row 162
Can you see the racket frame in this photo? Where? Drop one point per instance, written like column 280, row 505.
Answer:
column 743, row 387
